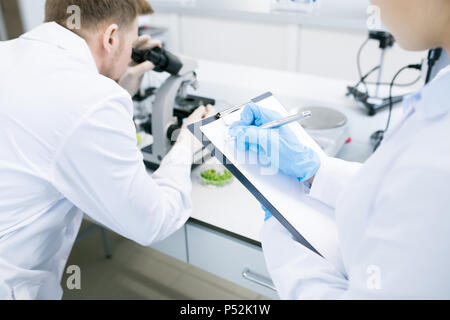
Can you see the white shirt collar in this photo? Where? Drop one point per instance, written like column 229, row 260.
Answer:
column 54, row 34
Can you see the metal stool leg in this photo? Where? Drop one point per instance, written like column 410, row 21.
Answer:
column 106, row 243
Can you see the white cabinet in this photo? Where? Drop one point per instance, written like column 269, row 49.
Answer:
column 223, row 255
column 174, row 246
column 230, row 258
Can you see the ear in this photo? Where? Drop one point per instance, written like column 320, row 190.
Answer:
column 111, row 38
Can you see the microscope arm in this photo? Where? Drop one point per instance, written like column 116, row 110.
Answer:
column 163, row 113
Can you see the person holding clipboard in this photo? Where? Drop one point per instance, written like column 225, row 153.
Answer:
column 392, row 212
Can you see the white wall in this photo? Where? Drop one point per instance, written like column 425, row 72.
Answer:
column 235, row 41
column 341, row 9
column 3, row 33
column 33, row 13
column 312, row 50
column 333, row 53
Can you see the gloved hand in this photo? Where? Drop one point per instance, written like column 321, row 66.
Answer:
column 268, row 214
column 132, row 78
column 280, row 146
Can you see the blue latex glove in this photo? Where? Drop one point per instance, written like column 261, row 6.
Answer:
column 268, row 214
column 280, row 146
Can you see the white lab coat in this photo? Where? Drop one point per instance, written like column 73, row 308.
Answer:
column 392, row 213
column 68, row 145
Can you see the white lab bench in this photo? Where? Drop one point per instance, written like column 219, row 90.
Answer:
column 222, row 237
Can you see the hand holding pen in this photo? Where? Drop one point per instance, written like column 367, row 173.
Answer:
column 281, row 122
column 283, row 149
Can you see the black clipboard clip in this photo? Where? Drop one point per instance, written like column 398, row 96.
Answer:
column 234, row 109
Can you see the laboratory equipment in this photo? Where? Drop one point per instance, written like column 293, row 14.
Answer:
column 437, row 60
column 160, row 111
column 163, row 60
column 378, row 136
column 373, row 102
column 329, row 128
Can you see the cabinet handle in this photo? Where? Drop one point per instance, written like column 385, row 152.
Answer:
column 258, row 279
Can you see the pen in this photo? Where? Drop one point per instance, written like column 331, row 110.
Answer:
column 282, row 122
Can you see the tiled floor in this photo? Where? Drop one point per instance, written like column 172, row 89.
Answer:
column 137, row 272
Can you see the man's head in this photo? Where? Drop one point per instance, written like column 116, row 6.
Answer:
column 110, row 27
column 417, row 24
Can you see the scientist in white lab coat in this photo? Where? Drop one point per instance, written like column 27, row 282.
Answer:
column 393, row 212
column 68, row 144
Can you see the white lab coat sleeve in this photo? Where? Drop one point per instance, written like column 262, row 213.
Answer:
column 297, row 272
column 391, row 261
column 101, row 171
column 331, row 178
column 403, row 253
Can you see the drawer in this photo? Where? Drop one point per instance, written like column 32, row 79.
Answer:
column 174, row 246
column 230, row 258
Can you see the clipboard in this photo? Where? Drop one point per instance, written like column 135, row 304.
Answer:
column 332, row 254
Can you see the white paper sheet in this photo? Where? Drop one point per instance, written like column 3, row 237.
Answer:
column 314, row 220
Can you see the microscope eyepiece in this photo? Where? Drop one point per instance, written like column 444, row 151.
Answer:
column 163, row 60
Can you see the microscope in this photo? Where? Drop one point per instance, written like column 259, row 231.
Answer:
column 160, row 112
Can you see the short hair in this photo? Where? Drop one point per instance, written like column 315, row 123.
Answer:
column 95, row 13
